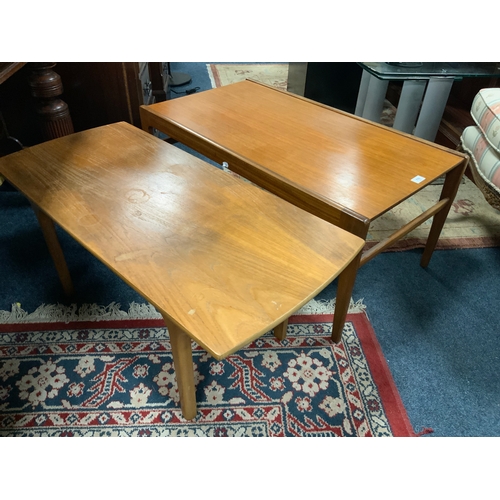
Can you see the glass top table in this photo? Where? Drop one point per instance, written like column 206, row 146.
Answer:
column 425, row 70
column 426, row 88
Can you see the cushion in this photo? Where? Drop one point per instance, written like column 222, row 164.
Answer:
column 485, row 157
column 485, row 112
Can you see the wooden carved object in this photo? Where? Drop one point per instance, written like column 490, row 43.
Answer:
column 46, row 86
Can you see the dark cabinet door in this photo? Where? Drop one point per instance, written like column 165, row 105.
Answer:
column 100, row 93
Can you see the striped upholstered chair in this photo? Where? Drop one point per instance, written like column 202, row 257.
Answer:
column 482, row 143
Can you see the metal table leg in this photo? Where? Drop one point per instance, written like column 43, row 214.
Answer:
column 409, row 105
column 436, row 96
column 374, row 104
column 371, row 97
column 363, row 90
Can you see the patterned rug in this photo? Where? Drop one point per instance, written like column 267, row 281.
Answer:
column 271, row 74
column 114, row 377
column 472, row 222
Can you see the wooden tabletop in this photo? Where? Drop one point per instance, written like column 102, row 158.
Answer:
column 222, row 259
column 343, row 161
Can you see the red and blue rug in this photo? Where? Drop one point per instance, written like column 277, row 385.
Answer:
column 116, row 378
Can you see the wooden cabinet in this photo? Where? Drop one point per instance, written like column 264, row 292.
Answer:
column 102, row 93
column 159, row 77
column 97, row 93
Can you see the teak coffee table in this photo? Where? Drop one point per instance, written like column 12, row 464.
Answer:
column 342, row 168
column 223, row 261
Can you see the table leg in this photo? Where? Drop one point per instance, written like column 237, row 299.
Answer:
column 145, row 124
column 344, row 292
column 409, row 105
column 363, row 90
column 436, row 96
column 449, row 191
column 280, row 330
column 183, row 365
column 359, row 227
column 375, row 96
column 55, row 250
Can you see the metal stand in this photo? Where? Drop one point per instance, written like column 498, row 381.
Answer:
column 409, row 105
column 422, row 101
column 433, row 106
column 371, row 97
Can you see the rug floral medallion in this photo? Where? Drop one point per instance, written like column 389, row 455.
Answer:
column 116, row 378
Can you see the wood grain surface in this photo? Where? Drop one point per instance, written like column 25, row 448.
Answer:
column 301, row 150
column 221, row 259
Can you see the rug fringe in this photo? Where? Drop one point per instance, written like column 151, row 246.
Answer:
column 211, row 76
column 53, row 313
column 327, row 307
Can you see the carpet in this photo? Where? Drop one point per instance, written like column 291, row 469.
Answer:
column 102, row 376
column 471, row 223
column 271, row 74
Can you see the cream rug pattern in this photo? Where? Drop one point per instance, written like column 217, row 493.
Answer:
column 471, row 223
column 271, row 74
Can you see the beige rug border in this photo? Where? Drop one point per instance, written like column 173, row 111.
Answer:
column 60, row 313
column 214, row 74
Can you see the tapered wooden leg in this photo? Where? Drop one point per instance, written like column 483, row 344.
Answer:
column 344, row 292
column 183, row 365
column 280, row 330
column 449, row 191
column 147, row 127
column 144, row 120
column 50, row 235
